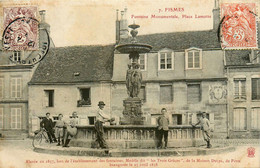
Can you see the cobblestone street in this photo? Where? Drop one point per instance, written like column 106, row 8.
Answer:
column 19, row 153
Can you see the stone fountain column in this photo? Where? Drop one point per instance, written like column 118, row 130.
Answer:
column 132, row 114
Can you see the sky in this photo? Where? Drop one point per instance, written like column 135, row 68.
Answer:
column 90, row 22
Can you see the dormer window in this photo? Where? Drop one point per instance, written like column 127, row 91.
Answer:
column 142, row 61
column 193, row 57
column 166, row 59
column 17, row 56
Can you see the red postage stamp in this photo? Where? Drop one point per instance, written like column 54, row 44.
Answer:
column 20, row 28
column 238, row 26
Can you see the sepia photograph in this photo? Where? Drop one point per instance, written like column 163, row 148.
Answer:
column 130, row 83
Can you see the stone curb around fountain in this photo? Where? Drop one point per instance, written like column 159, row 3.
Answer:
column 76, row 151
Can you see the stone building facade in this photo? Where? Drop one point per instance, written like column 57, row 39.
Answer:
column 243, row 73
column 16, row 70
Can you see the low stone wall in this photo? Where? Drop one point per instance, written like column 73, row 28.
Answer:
column 138, row 136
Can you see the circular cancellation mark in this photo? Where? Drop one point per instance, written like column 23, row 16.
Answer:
column 14, row 36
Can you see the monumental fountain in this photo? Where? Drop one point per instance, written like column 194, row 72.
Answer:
column 132, row 133
column 132, row 114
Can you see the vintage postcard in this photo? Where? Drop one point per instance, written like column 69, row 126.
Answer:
column 130, row 83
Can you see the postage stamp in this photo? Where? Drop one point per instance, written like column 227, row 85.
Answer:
column 20, row 28
column 238, row 27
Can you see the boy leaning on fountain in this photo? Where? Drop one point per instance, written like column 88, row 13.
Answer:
column 205, row 127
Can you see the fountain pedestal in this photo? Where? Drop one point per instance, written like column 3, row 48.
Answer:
column 132, row 114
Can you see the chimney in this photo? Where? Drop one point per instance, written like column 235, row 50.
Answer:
column 117, row 28
column 43, row 24
column 216, row 15
column 121, row 26
column 42, row 13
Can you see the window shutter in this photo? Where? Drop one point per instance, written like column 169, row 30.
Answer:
column 183, row 122
column 166, row 94
column 239, row 116
column 255, row 116
column 1, row 87
column 1, row 118
column 18, row 120
column 46, row 98
column 255, row 89
column 194, row 93
column 194, row 118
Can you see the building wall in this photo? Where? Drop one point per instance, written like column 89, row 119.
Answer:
column 212, row 67
column 248, row 73
column 65, row 101
column 7, row 102
column 211, row 74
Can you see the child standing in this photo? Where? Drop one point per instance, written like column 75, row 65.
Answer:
column 59, row 129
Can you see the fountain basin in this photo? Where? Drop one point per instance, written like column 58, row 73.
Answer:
column 134, row 47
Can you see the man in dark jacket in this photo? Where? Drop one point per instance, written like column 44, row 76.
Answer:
column 48, row 125
column 163, row 128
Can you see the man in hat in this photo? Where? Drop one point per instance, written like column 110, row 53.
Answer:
column 47, row 124
column 205, row 127
column 163, row 128
column 101, row 118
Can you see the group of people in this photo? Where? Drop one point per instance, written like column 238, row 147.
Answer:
column 163, row 128
column 64, row 131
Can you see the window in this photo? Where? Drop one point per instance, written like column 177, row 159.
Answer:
column 177, row 119
column 17, row 56
column 142, row 61
column 240, row 88
column 1, row 118
column 16, row 87
column 239, row 119
column 193, row 93
column 50, row 98
column 256, row 89
column 84, row 97
column 166, row 94
column 91, row 120
column 165, row 60
column 1, row 87
column 142, row 93
column 15, row 118
column 255, row 116
column 193, row 58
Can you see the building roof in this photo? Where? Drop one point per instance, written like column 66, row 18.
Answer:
column 207, row 39
column 237, row 57
column 75, row 64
